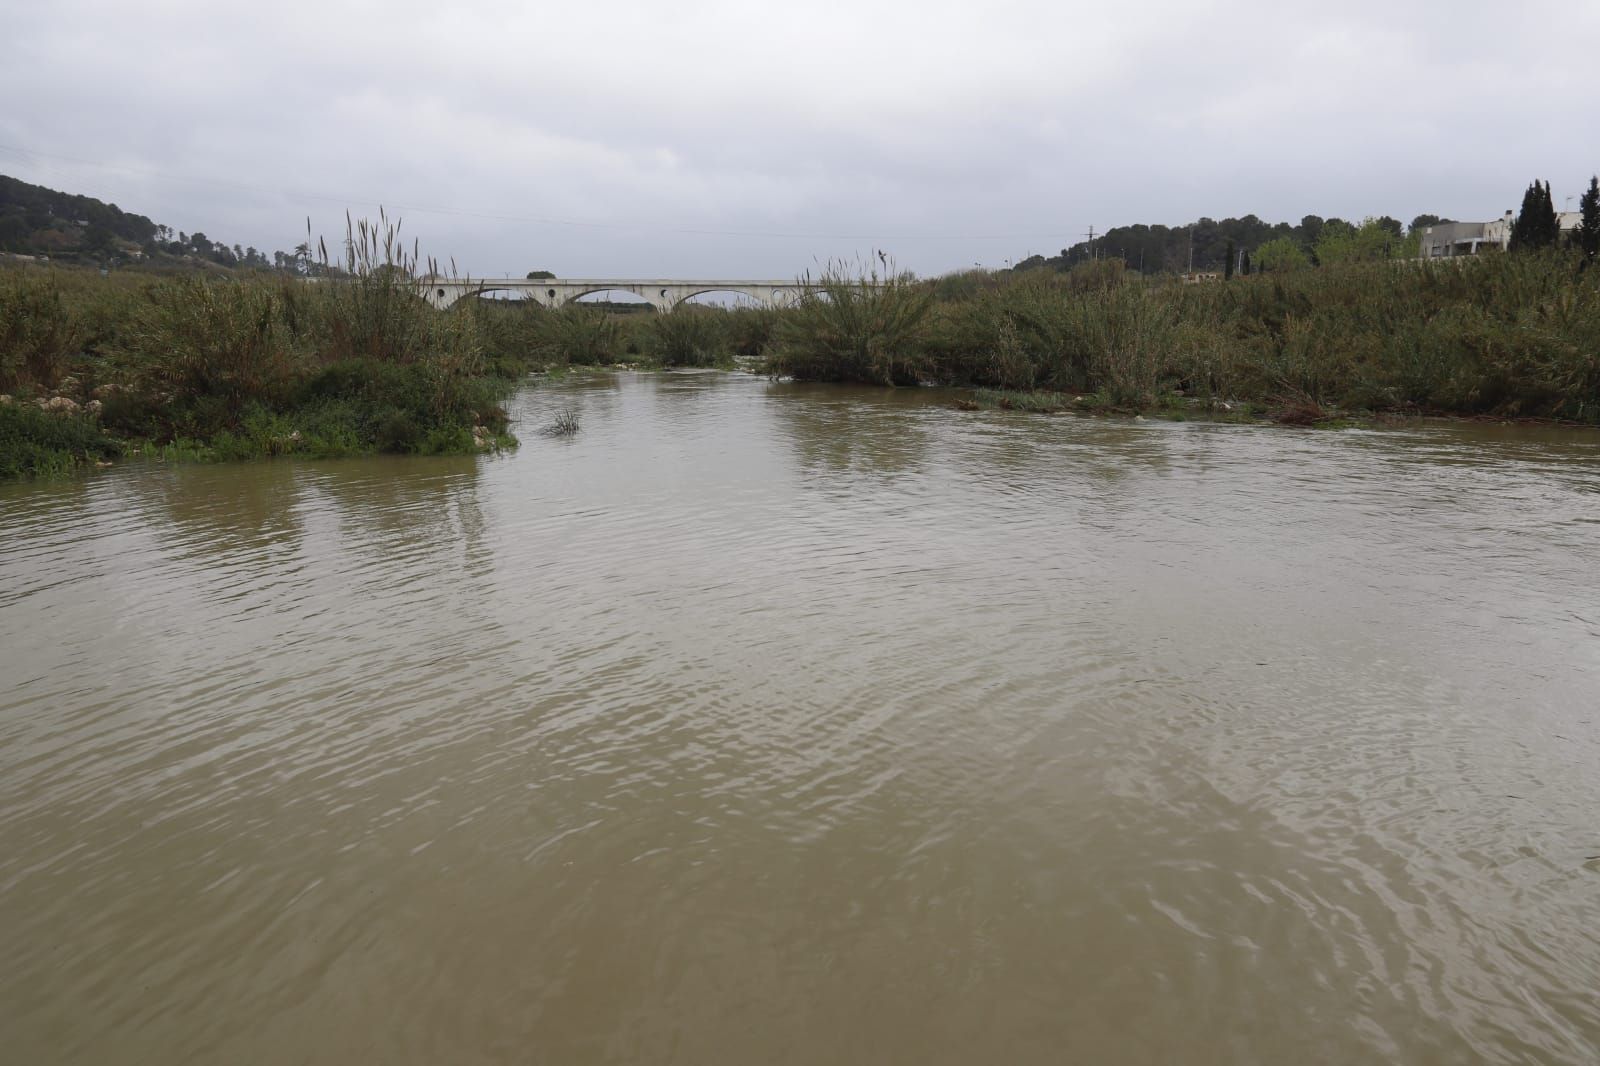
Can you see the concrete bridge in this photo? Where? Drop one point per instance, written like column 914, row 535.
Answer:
column 662, row 294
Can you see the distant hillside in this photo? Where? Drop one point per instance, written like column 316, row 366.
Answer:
column 38, row 221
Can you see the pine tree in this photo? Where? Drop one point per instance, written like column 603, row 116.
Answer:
column 1589, row 220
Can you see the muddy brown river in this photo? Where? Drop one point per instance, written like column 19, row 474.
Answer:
column 765, row 723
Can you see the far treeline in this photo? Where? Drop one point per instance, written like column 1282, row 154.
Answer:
column 1248, row 243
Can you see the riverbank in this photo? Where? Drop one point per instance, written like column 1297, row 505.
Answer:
column 251, row 366
column 242, row 366
column 1512, row 336
column 1176, row 407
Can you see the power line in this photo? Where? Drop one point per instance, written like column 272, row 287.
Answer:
column 377, row 201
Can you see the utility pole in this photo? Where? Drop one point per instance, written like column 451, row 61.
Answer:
column 1191, row 249
column 1090, row 235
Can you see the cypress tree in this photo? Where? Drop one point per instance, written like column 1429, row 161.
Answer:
column 1548, row 221
column 1227, row 266
column 1589, row 222
column 1536, row 225
column 1244, row 264
column 1519, row 228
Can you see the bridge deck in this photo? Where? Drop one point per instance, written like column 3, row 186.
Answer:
column 661, row 293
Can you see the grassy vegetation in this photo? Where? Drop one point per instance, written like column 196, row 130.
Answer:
column 38, row 443
column 37, row 335
column 1505, row 335
column 239, row 366
column 242, row 366
column 564, row 424
column 689, row 336
column 583, row 334
column 863, row 328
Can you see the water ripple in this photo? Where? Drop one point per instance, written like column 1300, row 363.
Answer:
column 765, row 722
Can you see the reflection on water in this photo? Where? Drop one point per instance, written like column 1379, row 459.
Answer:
column 860, row 431
column 762, row 722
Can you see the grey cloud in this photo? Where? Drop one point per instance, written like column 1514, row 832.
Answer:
column 760, row 139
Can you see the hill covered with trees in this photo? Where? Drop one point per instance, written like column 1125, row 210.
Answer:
column 65, row 227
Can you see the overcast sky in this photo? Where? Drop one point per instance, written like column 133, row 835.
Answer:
column 757, row 140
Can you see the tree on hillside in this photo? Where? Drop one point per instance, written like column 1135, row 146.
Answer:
column 1536, row 225
column 1422, row 222
column 14, row 232
column 1280, row 254
column 1589, row 220
column 1203, row 243
column 1374, row 239
column 99, row 239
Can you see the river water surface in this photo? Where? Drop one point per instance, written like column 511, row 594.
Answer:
column 762, row 723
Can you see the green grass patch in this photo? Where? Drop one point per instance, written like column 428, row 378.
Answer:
column 37, row 444
column 1019, row 400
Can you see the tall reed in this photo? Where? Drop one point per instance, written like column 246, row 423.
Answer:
column 38, row 338
column 575, row 334
column 688, row 336
column 856, row 325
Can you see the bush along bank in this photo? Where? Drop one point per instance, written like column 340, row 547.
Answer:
column 1503, row 335
column 521, row 333
column 243, row 367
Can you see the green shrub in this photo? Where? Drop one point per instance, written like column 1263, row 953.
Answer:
column 635, row 332
column 37, row 443
column 370, row 405
column 507, row 337
column 687, row 336
column 750, row 330
column 202, row 349
column 586, row 336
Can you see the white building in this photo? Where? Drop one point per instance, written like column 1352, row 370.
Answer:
column 1444, row 240
column 1447, row 239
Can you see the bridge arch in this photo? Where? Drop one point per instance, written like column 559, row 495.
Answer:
column 639, row 294
column 446, row 298
column 753, row 296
